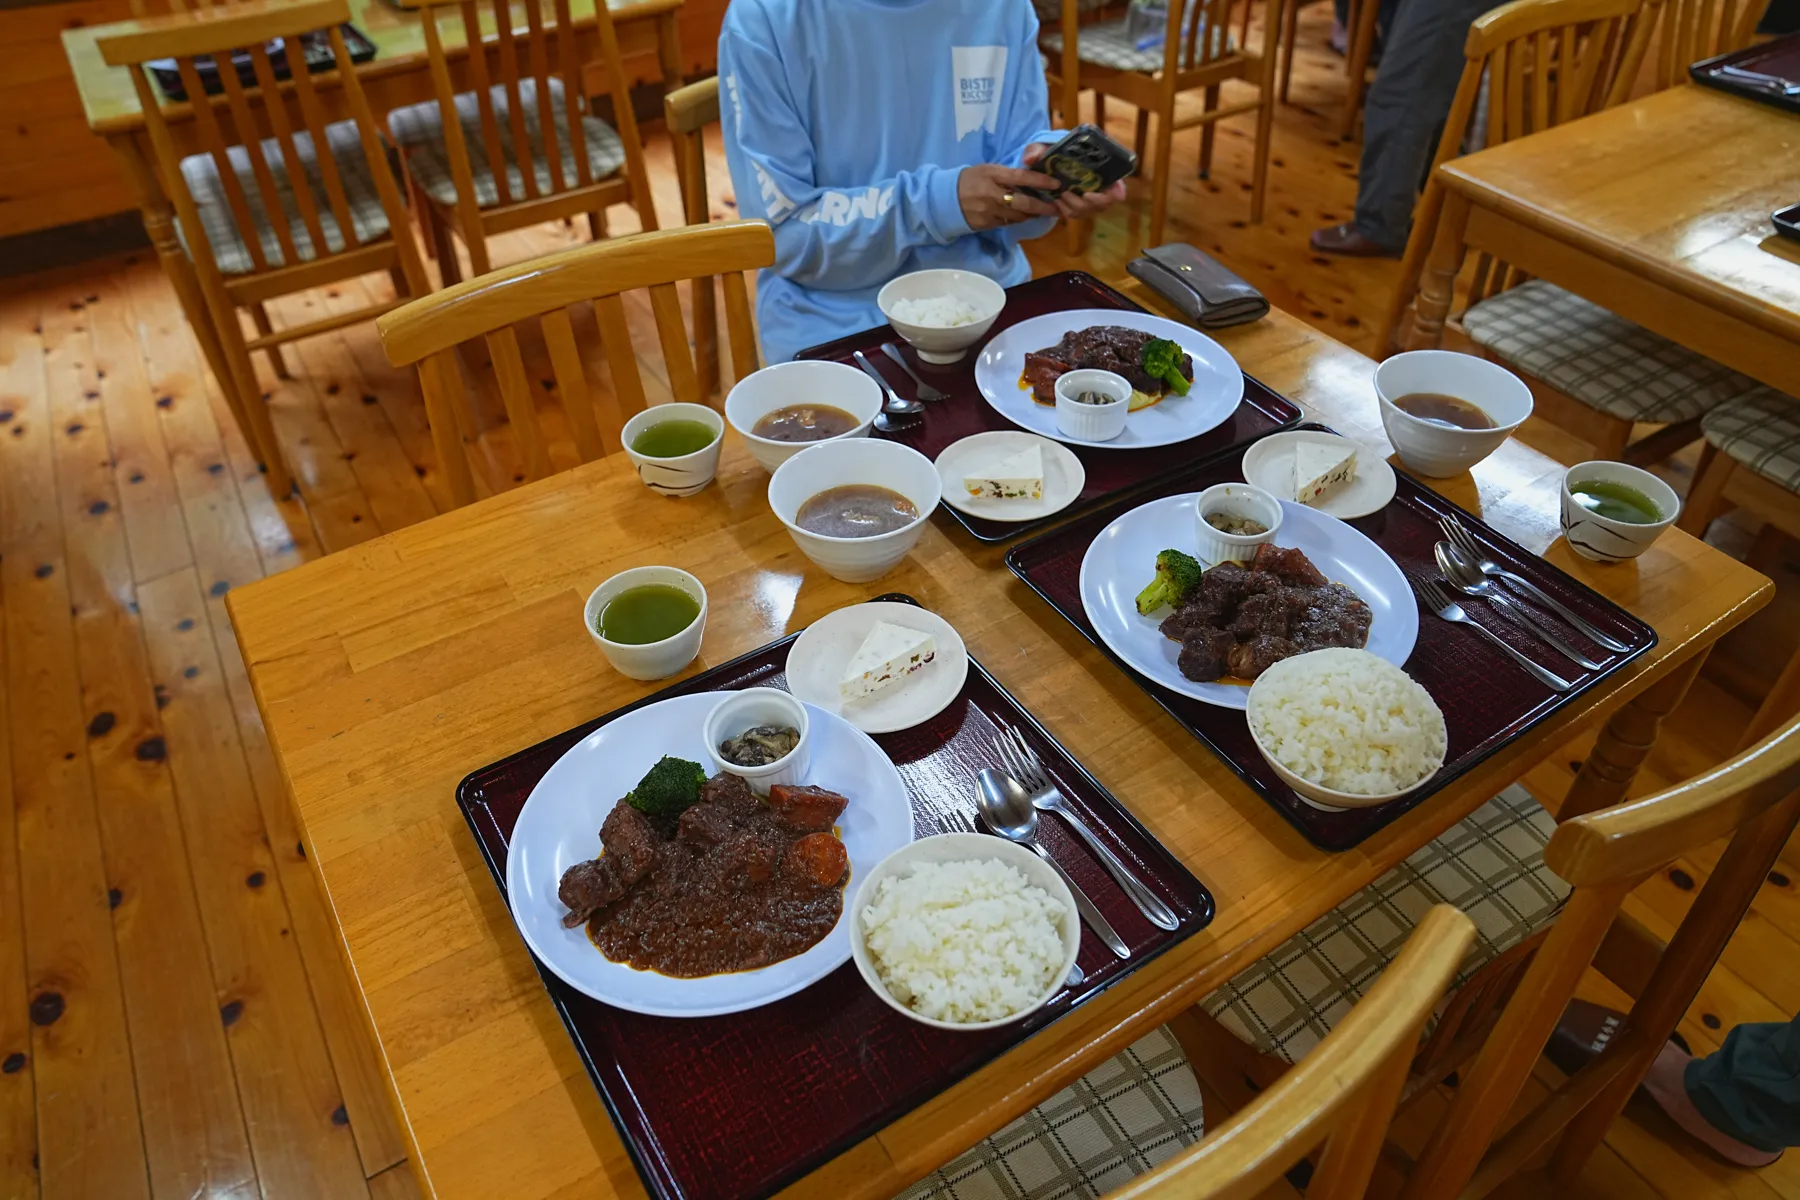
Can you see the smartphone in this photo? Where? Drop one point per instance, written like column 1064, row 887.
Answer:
column 1084, row 161
column 1787, row 222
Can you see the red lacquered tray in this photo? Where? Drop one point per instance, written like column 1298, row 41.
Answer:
column 1109, row 472
column 1487, row 698
column 739, row 1106
column 1763, row 72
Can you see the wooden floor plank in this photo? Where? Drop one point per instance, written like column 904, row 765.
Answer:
column 298, row 1127
column 18, row 1099
column 193, row 1125
column 89, row 1139
column 395, row 1183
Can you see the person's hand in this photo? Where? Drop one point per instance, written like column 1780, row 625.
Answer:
column 993, row 196
column 1072, row 206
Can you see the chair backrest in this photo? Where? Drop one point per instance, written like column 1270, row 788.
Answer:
column 1343, row 1093
column 687, row 111
column 1754, row 799
column 262, row 131
column 1695, row 29
column 1544, row 62
column 527, row 82
column 428, row 330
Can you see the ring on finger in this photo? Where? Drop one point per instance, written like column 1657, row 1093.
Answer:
column 1006, row 198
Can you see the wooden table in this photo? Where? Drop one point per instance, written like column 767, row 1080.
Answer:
column 398, row 75
column 388, row 671
column 1657, row 210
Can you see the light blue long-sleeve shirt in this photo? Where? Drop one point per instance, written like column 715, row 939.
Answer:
column 847, row 125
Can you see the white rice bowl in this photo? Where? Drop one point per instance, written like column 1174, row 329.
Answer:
column 935, row 312
column 1348, row 721
column 965, row 942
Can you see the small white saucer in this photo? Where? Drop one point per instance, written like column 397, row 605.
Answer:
column 1064, row 476
column 817, row 659
column 1269, row 464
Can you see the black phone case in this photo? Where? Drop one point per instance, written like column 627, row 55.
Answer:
column 1085, row 161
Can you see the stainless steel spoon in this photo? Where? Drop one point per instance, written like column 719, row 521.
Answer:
column 1005, row 808
column 896, row 406
column 1467, row 578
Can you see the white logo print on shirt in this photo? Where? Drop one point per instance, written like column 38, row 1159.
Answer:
column 979, row 73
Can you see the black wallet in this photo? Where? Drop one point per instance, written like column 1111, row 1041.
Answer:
column 1210, row 295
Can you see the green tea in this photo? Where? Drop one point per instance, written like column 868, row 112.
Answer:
column 672, row 439
column 1615, row 501
column 649, row 613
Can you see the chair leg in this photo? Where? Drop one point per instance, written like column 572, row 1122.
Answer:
column 1778, row 707
column 1290, row 40
column 1705, row 496
column 1100, row 110
column 397, row 277
column 1611, row 444
column 1362, row 45
column 448, row 265
column 1208, row 132
column 1141, row 136
column 1159, row 189
column 597, row 224
column 253, row 410
column 260, row 315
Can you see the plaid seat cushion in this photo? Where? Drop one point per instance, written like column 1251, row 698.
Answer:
column 1112, row 1124
column 1761, row 430
column 1602, row 360
column 419, row 131
column 1109, row 44
column 367, row 217
column 1490, row 865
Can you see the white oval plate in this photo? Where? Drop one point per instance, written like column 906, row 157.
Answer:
column 1064, row 476
column 1123, row 558
column 817, row 659
column 560, row 826
column 1269, row 464
column 1217, row 388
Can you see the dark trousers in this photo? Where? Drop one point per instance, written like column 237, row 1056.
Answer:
column 1421, row 62
column 1750, row 1088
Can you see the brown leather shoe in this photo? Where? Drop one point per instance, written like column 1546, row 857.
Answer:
column 1347, row 240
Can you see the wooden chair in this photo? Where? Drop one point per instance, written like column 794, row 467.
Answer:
column 686, row 112
column 1361, row 48
column 1343, row 1095
column 1504, row 1010
column 1197, row 53
column 1592, row 373
column 1695, row 29
column 252, row 233
column 554, row 160
column 427, row 332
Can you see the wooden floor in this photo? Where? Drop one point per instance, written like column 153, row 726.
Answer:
column 174, row 1017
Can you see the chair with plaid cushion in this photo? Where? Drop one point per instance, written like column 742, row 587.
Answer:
column 1593, row 374
column 1196, row 52
column 1131, row 1128
column 524, row 149
column 265, row 217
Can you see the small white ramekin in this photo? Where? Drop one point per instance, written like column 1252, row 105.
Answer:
column 687, row 473
column 1092, row 422
column 648, row 660
column 1246, row 500
column 751, row 707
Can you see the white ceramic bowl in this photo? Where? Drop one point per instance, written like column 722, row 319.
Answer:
column 857, row 460
column 1320, row 794
column 1602, row 538
column 1092, row 422
column 683, row 475
column 651, row 660
column 746, row 709
column 964, row 847
column 1438, row 450
column 1246, row 500
column 762, row 392
column 943, row 344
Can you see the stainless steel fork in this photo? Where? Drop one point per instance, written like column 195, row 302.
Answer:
column 1463, row 540
column 1024, row 764
column 1438, row 602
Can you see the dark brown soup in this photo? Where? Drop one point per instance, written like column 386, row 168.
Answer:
column 856, row 510
column 1444, row 410
column 804, row 423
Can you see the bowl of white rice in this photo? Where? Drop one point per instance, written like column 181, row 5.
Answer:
column 941, row 313
column 964, row 931
column 1346, row 728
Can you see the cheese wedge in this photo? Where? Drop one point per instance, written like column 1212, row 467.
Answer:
column 1321, row 470
column 888, row 654
column 1016, row 477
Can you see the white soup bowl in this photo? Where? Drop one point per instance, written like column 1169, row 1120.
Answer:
column 1435, row 449
column 857, row 461
column 762, row 392
column 648, row 660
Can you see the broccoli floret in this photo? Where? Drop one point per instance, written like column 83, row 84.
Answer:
column 669, row 787
column 1177, row 576
column 1162, row 358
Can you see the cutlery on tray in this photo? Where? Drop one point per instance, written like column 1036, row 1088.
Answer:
column 926, row 391
column 908, row 410
column 967, row 824
column 1023, row 764
column 1438, row 602
column 1463, row 540
column 1462, row 575
column 1005, row 809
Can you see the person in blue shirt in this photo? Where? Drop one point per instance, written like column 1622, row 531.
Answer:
column 879, row 137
